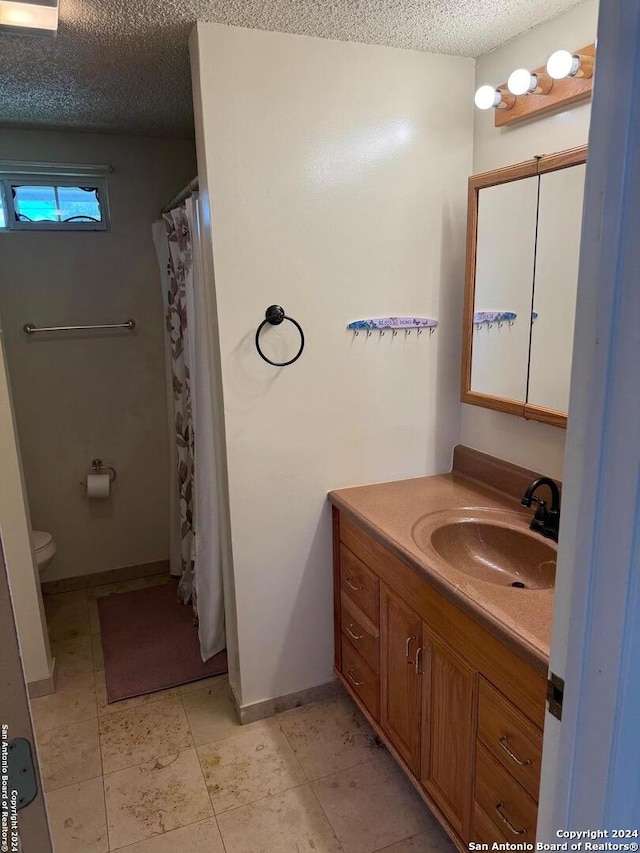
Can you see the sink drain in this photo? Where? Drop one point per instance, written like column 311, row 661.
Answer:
column 518, row 585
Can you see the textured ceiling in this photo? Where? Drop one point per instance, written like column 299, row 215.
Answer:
column 123, row 65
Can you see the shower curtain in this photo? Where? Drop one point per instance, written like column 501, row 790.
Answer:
column 194, row 533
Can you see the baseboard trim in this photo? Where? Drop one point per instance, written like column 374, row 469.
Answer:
column 255, row 711
column 43, row 686
column 126, row 573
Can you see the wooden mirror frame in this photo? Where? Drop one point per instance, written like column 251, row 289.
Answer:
column 528, row 169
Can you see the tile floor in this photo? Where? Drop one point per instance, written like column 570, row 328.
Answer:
column 173, row 771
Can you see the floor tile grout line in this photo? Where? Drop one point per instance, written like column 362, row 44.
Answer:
column 291, row 747
column 307, row 781
column 343, row 769
column 264, row 797
column 176, row 752
column 239, row 731
column 159, row 835
column 47, row 791
column 220, row 740
column 393, row 843
column 106, row 812
column 322, row 809
column 104, row 789
column 206, row 787
column 39, row 732
column 215, row 816
column 193, row 740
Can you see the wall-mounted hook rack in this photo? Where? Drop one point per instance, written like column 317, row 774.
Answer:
column 380, row 324
column 488, row 318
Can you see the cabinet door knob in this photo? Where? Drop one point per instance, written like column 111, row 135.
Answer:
column 352, row 678
column 505, row 819
column 349, row 582
column 504, row 744
column 351, row 634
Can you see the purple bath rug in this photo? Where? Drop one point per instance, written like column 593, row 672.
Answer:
column 150, row 643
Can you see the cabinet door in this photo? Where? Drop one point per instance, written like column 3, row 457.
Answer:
column 401, row 636
column 505, row 253
column 448, row 730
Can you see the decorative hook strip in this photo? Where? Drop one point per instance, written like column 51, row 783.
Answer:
column 382, row 323
column 493, row 317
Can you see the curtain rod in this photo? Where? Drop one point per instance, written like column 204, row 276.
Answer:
column 184, row 193
column 72, row 170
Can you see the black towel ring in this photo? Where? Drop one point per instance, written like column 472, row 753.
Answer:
column 274, row 315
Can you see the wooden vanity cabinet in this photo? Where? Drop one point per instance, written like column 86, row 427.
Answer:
column 400, row 684
column 461, row 713
column 449, row 692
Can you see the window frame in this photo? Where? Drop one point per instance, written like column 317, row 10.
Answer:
column 52, row 180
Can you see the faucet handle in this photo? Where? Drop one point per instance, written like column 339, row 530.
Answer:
column 541, row 516
column 532, row 499
column 542, row 512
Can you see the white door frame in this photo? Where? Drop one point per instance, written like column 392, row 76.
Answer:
column 591, row 761
column 14, row 713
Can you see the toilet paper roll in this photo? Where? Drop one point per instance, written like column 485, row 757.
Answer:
column 98, row 486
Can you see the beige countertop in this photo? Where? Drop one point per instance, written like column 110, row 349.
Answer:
column 521, row 618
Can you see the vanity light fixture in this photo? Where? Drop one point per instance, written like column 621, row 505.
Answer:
column 524, row 82
column 562, row 64
column 565, row 80
column 488, row 97
column 29, row 17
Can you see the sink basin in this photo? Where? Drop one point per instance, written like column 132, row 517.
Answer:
column 489, row 545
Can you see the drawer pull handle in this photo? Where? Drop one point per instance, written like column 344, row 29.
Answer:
column 418, row 659
column 505, row 819
column 352, row 678
column 352, row 635
column 351, row 585
column 406, row 649
column 504, row 744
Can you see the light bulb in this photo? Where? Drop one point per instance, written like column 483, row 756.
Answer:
column 29, row 18
column 521, row 81
column 563, row 64
column 18, row 17
column 487, row 97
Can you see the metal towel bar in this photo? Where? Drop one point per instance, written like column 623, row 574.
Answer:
column 30, row 329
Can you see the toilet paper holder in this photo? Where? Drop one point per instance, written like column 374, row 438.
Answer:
column 98, row 468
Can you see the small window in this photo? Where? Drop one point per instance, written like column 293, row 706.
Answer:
column 50, row 203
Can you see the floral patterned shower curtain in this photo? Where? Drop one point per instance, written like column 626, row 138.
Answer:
column 194, row 532
column 180, row 272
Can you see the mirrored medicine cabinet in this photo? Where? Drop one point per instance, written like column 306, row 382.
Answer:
column 523, row 245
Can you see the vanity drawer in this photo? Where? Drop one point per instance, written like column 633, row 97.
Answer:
column 361, row 678
column 484, row 830
column 503, row 801
column 360, row 584
column 509, row 736
column 360, row 631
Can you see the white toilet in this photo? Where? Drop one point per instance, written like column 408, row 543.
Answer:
column 44, row 547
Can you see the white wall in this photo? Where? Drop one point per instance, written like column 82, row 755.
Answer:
column 336, row 174
column 83, row 396
column 16, row 543
column 527, row 443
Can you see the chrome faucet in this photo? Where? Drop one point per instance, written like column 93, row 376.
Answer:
column 545, row 521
